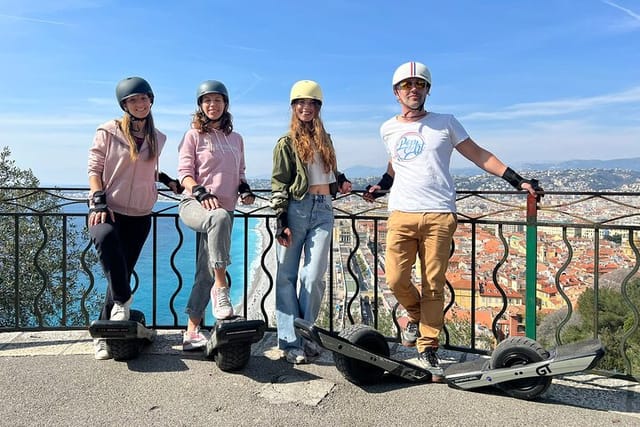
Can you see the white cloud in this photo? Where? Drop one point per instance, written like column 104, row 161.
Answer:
column 557, row 107
column 28, row 123
column 27, row 19
column 549, row 134
column 624, row 9
column 555, row 141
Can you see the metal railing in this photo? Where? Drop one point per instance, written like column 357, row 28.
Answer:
column 558, row 270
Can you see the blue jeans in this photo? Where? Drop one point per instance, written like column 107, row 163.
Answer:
column 214, row 249
column 311, row 225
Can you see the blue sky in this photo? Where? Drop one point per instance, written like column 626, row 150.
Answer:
column 530, row 81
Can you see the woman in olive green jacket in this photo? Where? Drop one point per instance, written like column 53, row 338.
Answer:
column 303, row 183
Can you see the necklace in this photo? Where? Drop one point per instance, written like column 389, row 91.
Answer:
column 405, row 117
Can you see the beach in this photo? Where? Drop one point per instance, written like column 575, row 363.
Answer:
column 259, row 280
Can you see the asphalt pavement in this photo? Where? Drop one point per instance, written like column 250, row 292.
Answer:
column 51, row 378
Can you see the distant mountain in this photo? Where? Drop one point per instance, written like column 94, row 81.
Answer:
column 364, row 171
column 629, row 164
column 577, row 175
column 370, row 171
column 633, row 164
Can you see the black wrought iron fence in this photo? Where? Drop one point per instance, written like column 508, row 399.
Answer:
column 562, row 270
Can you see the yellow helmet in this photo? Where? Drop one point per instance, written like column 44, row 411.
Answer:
column 306, row 89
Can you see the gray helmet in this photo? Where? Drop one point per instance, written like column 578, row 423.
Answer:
column 212, row 86
column 132, row 86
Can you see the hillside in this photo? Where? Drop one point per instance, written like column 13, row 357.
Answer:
column 551, row 180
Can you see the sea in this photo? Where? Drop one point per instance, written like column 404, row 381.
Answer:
column 173, row 289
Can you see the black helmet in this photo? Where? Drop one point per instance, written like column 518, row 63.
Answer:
column 212, row 86
column 132, row 86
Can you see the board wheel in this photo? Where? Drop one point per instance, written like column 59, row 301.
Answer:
column 515, row 351
column 358, row 371
column 127, row 349
column 233, row 357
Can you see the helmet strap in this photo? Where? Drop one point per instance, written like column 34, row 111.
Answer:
column 207, row 120
column 419, row 110
column 134, row 118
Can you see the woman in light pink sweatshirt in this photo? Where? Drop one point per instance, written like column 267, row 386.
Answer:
column 123, row 169
column 211, row 168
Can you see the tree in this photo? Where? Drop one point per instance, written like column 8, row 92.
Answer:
column 615, row 320
column 549, row 324
column 460, row 331
column 41, row 273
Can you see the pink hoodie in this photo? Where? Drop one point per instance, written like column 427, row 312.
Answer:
column 130, row 186
column 215, row 161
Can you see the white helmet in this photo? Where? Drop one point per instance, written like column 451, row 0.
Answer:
column 409, row 70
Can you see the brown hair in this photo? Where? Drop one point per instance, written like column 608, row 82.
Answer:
column 204, row 124
column 149, row 135
column 309, row 137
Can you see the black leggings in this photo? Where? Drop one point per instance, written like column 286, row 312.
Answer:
column 119, row 245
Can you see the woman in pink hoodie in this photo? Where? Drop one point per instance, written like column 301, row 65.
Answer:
column 211, row 168
column 123, row 169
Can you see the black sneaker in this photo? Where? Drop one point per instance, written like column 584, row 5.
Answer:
column 428, row 359
column 410, row 334
column 311, row 350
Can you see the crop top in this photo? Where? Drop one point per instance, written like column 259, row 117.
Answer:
column 316, row 173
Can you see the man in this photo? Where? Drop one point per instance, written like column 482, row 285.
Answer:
column 422, row 208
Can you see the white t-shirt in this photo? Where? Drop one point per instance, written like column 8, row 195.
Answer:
column 420, row 153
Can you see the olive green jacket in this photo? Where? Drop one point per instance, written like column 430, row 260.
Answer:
column 289, row 178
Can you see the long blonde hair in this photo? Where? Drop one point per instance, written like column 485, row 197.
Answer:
column 149, row 135
column 309, row 137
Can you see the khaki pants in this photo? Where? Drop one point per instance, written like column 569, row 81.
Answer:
column 428, row 235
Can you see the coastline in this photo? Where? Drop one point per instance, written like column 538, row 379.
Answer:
column 259, row 281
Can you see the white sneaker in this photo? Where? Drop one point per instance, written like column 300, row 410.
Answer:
column 220, row 302
column 121, row 311
column 102, row 353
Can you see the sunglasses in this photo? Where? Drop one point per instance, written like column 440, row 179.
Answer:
column 307, row 102
column 408, row 84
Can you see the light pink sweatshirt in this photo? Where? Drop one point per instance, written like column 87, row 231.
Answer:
column 215, row 161
column 130, row 186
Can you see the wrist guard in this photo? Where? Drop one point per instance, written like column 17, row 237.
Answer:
column 535, row 184
column 98, row 202
column 514, row 179
column 167, row 180
column 282, row 222
column 244, row 190
column 200, row 193
column 342, row 178
column 385, row 182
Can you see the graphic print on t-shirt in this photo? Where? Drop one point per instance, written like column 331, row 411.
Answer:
column 409, row 146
